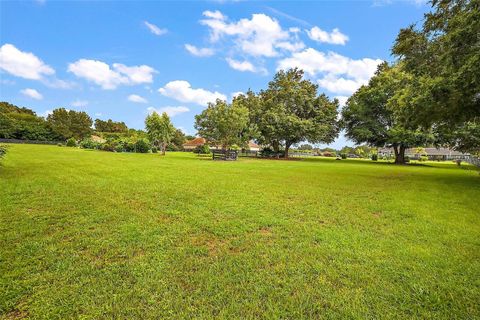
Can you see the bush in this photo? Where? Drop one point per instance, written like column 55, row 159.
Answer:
column 343, row 156
column 154, row 150
column 142, row 146
column 423, row 158
column 71, row 142
column 119, row 148
column 108, row 146
column 129, row 146
column 204, row 149
column 328, row 154
column 60, row 144
column 89, row 144
column 374, row 157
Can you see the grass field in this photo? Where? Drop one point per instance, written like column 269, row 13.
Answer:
column 97, row 235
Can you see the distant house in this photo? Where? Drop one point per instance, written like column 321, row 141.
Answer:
column 252, row 146
column 192, row 144
column 432, row 153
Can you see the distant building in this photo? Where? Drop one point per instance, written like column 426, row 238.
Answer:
column 192, row 144
column 252, row 146
column 432, row 153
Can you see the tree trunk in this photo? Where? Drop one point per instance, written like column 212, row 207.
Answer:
column 287, row 147
column 276, row 148
column 164, row 147
column 400, row 155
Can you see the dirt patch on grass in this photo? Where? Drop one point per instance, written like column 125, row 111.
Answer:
column 16, row 315
column 265, row 231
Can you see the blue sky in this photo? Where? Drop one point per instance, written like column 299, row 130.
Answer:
column 121, row 60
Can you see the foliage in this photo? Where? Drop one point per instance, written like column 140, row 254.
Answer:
column 223, row 124
column 119, row 148
column 110, row 126
column 374, row 157
column 142, row 146
column 160, row 130
column 343, row 155
column 443, row 57
column 290, row 111
column 70, row 123
column 88, row 143
column 371, row 116
column 154, row 150
column 71, row 142
column 305, row 146
column 24, row 124
column 203, row 149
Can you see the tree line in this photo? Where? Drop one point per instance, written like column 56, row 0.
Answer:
column 430, row 95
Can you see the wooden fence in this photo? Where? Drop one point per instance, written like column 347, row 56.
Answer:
column 227, row 155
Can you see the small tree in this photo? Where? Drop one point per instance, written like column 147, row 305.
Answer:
column 224, row 124
column 160, row 130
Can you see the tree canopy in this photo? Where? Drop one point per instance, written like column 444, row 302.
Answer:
column 70, row 123
column 160, row 130
column 372, row 116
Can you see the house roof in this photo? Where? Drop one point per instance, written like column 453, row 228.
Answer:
column 195, row 142
column 252, row 144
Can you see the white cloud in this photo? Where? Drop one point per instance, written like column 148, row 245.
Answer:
column 136, row 98
column 182, row 91
column 199, row 52
column 109, row 78
column 154, row 29
column 214, row 15
column 46, row 113
column 79, row 103
column 23, row 64
column 171, row 111
column 334, row 37
column 342, row 100
column 241, row 65
column 236, row 94
column 32, row 93
column 259, row 36
column 340, row 74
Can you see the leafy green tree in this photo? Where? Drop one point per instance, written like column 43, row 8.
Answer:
column 22, row 123
column 290, row 111
column 371, row 116
column 160, row 130
column 110, row 126
column 305, row 146
column 177, row 141
column 224, row 124
column 70, row 123
column 443, row 57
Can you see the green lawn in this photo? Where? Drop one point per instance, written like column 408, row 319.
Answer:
column 98, row 235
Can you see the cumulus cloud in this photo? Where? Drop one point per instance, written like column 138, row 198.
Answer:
column 108, row 77
column 31, row 93
column 199, row 52
column 136, row 98
column 259, row 36
column 334, row 37
column 154, row 29
column 243, row 65
column 171, row 111
column 340, row 74
column 23, row 64
column 79, row 103
column 182, row 91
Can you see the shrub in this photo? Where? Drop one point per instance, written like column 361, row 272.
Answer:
column 108, row 146
column 328, row 154
column 423, row 158
column 343, row 156
column 89, row 144
column 129, row 146
column 204, row 149
column 155, row 150
column 60, row 144
column 142, row 146
column 119, row 148
column 71, row 142
column 374, row 157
